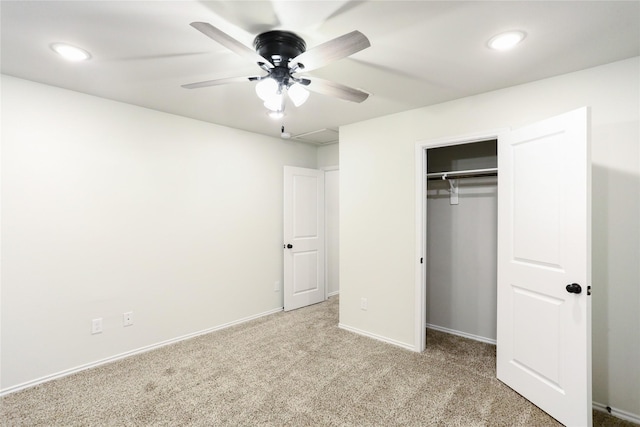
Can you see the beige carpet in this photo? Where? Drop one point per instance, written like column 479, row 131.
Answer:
column 288, row 369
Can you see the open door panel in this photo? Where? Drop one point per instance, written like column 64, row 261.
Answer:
column 544, row 265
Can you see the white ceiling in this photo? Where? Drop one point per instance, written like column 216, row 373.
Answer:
column 422, row 52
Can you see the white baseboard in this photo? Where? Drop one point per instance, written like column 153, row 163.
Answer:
column 461, row 334
column 145, row 349
column 331, row 294
column 618, row 413
column 377, row 337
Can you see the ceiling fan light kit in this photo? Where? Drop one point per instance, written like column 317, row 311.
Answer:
column 281, row 54
column 272, row 93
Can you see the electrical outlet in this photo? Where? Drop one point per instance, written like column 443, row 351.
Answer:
column 127, row 318
column 96, row 326
column 363, row 303
column 276, row 286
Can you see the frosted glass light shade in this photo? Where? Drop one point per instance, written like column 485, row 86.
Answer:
column 275, row 103
column 275, row 115
column 266, row 89
column 298, row 94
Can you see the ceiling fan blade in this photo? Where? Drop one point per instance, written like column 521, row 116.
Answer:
column 230, row 43
column 337, row 90
column 330, row 51
column 219, row 82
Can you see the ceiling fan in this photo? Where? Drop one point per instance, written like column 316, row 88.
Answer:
column 283, row 54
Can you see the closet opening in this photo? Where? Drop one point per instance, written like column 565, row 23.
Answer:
column 460, row 238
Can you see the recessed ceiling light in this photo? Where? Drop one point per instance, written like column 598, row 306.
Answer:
column 506, row 41
column 70, row 53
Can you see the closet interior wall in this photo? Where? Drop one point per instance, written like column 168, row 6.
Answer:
column 462, row 242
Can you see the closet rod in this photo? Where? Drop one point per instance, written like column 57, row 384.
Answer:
column 463, row 174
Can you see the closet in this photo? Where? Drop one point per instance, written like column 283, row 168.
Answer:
column 461, row 256
column 523, row 228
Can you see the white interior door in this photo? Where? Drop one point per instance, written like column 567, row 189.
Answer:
column 544, row 327
column 303, row 237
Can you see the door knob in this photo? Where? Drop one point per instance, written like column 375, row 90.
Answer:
column 574, row 288
column 289, row 246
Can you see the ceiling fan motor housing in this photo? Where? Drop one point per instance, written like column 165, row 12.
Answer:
column 279, row 46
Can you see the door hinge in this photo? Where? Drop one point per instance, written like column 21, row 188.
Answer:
column 588, row 290
column 421, row 260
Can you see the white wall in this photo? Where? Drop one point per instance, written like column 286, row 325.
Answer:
column 108, row 208
column 377, row 210
column 328, row 155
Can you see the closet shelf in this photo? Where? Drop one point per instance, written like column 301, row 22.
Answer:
column 471, row 173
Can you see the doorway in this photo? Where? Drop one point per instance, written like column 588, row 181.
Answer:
column 446, row 157
column 311, row 233
column 461, row 242
column 332, row 229
column 304, row 252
